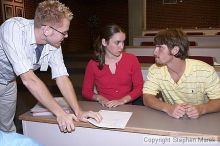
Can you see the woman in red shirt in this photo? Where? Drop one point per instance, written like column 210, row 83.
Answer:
column 116, row 75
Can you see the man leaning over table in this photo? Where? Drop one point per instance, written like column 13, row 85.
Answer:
column 27, row 45
column 189, row 87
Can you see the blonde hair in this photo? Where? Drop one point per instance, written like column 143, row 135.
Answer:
column 52, row 12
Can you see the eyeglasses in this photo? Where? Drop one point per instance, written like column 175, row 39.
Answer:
column 63, row 33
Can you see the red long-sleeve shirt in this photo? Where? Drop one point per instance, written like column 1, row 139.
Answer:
column 127, row 79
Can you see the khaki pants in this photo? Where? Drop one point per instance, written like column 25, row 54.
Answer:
column 8, row 98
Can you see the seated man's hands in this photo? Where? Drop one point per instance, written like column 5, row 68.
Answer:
column 177, row 110
column 192, row 111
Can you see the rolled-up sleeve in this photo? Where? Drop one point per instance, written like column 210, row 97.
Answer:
column 57, row 65
column 13, row 45
column 151, row 85
column 213, row 85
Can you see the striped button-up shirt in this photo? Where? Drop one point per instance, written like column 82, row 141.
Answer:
column 17, row 51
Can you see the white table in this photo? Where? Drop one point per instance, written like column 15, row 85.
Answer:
column 145, row 127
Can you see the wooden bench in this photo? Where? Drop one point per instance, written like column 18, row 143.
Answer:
column 193, row 51
column 200, row 40
column 146, row 59
column 150, row 34
column 194, row 33
column 191, row 43
column 147, row 44
column 205, row 31
column 150, row 59
column 207, row 59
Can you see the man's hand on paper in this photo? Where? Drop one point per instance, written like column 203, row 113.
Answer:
column 112, row 119
column 84, row 115
column 65, row 122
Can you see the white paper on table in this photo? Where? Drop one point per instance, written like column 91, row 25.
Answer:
column 112, row 119
column 40, row 110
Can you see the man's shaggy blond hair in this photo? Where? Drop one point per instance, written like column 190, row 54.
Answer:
column 51, row 12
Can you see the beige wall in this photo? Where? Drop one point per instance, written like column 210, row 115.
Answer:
column 136, row 18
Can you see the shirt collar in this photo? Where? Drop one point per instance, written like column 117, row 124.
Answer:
column 33, row 39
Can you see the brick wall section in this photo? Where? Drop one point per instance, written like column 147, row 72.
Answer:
column 81, row 35
column 79, row 39
column 188, row 14
column 30, row 6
